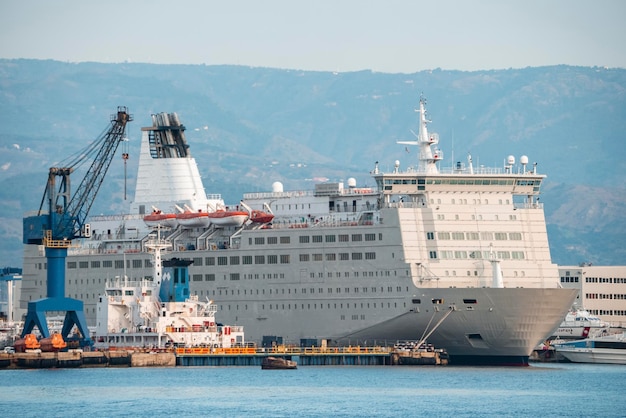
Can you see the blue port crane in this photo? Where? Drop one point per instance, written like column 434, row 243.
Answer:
column 62, row 218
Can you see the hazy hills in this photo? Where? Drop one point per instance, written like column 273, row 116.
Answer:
column 248, row 127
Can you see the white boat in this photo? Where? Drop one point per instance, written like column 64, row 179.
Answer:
column 578, row 324
column 460, row 253
column 160, row 219
column 605, row 349
column 226, row 217
column 159, row 312
column 193, row 219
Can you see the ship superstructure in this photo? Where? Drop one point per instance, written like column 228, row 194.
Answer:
column 460, row 254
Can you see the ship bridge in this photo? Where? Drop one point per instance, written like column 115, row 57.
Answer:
column 411, row 187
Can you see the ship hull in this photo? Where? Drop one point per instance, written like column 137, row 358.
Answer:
column 499, row 326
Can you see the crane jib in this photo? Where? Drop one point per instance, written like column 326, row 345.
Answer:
column 61, row 212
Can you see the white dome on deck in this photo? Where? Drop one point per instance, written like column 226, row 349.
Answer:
column 277, row 187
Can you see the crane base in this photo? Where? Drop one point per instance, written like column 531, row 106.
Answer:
column 74, row 315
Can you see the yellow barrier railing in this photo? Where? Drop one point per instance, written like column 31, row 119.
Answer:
column 282, row 350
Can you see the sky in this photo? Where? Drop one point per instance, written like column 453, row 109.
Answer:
column 391, row 36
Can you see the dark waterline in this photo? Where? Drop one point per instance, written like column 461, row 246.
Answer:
column 552, row 390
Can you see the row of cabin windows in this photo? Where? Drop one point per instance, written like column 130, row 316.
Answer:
column 306, row 239
column 442, row 217
column 235, row 260
column 283, row 291
column 232, row 260
column 615, row 312
column 614, row 296
column 486, row 255
column 475, row 236
column 313, row 306
column 479, row 182
column 468, row 273
column 118, row 264
column 304, row 291
column 605, row 280
column 210, row 277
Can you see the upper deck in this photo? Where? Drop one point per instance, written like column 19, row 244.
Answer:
column 428, row 176
column 484, row 180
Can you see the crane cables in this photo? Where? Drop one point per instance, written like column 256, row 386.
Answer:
column 86, row 154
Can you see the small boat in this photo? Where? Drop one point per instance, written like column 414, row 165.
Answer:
column 579, row 324
column 418, row 354
column 228, row 217
column 190, row 219
column 158, row 218
column 260, row 217
column 604, row 349
column 278, row 363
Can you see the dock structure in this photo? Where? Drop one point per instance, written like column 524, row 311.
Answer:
column 217, row 357
column 304, row 356
column 73, row 359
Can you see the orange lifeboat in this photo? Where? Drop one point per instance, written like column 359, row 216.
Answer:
column 261, row 217
column 157, row 218
column 53, row 343
column 228, row 217
column 190, row 219
column 29, row 342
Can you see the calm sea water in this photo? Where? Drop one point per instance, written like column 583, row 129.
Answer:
column 541, row 390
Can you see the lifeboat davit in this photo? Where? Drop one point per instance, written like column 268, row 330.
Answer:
column 158, row 218
column 191, row 219
column 261, row 217
column 228, row 217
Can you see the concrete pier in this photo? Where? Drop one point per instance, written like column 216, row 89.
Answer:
column 312, row 356
column 205, row 356
column 121, row 358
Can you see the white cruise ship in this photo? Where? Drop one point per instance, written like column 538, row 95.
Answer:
column 457, row 256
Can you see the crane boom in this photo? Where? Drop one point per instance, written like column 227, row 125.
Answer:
column 66, row 216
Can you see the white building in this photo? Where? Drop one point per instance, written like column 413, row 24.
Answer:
column 602, row 290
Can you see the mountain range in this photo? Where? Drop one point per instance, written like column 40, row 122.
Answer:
column 248, row 127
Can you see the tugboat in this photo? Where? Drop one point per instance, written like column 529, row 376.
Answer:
column 159, row 312
column 418, row 354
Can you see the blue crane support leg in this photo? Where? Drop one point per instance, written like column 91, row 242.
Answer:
column 56, row 301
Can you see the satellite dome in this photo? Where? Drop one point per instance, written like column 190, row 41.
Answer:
column 523, row 159
column 397, row 164
column 510, row 160
column 351, row 182
column 277, row 187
